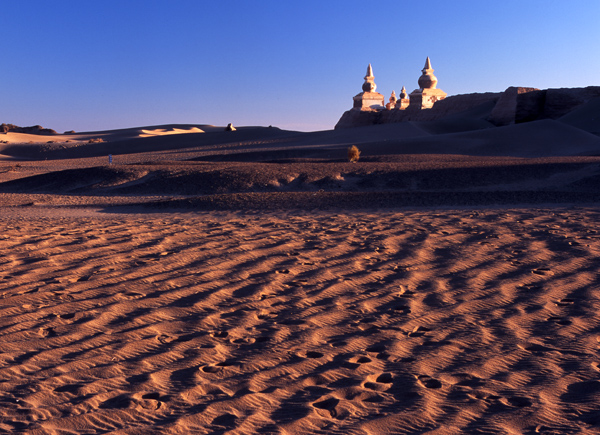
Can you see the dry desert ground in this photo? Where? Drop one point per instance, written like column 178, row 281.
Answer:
column 256, row 281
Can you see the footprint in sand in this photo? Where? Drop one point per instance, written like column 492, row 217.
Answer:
column 327, row 405
column 516, row 402
column 530, row 287
column 418, row 331
column 266, row 296
column 226, row 420
column 405, row 293
column 266, row 316
column 384, row 378
column 84, row 278
column 226, row 363
column 164, row 339
column 298, row 283
column 401, row 308
column 46, row 332
column 466, row 380
column 543, row 271
column 361, row 359
column 122, row 401
column 151, row 401
column 559, row 320
column 311, row 354
column 131, row 295
column 565, row 302
column 65, row 297
column 356, row 361
column 380, row 349
column 69, row 388
column 243, row 340
column 336, row 342
column 428, row 382
column 380, row 382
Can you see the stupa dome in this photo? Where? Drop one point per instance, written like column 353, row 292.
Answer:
column 403, row 93
column 427, row 79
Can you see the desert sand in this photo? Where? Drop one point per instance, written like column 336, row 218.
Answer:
column 256, row 282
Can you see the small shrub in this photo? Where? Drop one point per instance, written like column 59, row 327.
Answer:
column 353, row 154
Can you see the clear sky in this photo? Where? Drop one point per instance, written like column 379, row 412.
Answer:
column 96, row 65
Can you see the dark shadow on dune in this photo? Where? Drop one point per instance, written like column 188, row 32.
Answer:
column 121, row 401
column 169, row 178
column 356, row 200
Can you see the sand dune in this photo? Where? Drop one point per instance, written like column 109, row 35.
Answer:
column 107, row 135
column 463, row 135
column 164, row 132
column 256, row 282
column 532, row 139
column 453, row 124
column 413, row 175
column 586, row 117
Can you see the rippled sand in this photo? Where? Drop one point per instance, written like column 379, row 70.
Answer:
column 440, row 321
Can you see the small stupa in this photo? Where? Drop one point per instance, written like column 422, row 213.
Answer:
column 368, row 99
column 393, row 99
column 427, row 94
column 403, row 101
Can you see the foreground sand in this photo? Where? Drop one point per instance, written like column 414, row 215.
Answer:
column 366, row 322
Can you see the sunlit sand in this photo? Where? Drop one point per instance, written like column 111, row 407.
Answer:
column 255, row 281
column 163, row 132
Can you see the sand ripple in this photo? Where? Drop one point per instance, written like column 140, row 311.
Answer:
column 355, row 323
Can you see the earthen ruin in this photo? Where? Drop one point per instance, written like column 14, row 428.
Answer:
column 422, row 98
column 427, row 103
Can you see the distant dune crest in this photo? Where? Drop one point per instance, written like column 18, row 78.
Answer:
column 165, row 132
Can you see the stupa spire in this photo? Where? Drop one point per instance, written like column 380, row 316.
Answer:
column 369, row 84
column 428, row 64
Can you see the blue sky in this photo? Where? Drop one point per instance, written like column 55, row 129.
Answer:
column 95, row 65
